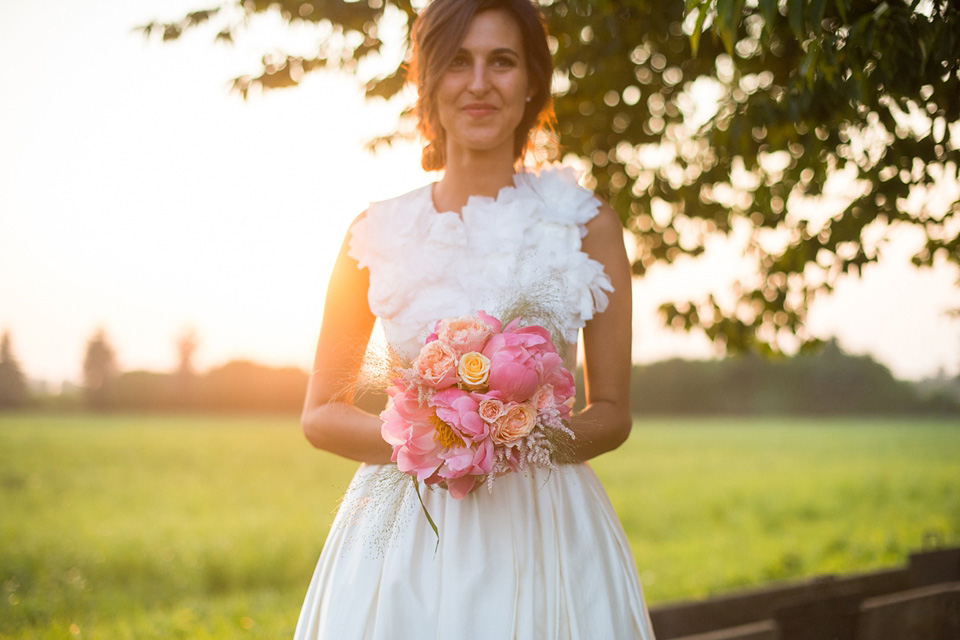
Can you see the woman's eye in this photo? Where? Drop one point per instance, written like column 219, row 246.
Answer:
column 504, row 62
column 459, row 61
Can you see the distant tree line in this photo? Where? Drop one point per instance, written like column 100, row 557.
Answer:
column 239, row 385
column 824, row 382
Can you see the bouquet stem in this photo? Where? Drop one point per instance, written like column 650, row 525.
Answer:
column 433, row 525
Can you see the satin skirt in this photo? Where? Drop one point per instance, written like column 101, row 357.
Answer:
column 541, row 557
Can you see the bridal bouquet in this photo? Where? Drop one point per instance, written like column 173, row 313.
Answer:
column 479, row 401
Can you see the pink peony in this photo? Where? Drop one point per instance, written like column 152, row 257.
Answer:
column 515, row 361
column 410, row 429
column 436, row 365
column 534, row 338
column 461, row 487
column 460, row 461
column 553, row 373
column 459, row 410
column 513, row 372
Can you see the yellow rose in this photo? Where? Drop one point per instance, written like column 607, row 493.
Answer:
column 474, row 369
column 518, row 421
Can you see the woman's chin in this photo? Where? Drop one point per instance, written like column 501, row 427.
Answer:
column 483, row 145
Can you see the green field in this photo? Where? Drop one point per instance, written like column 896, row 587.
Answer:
column 209, row 526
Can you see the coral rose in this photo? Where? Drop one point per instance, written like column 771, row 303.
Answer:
column 517, row 422
column 467, row 333
column 436, row 365
column 491, row 409
column 474, row 369
column 544, row 399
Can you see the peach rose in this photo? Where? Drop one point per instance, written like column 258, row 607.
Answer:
column 436, row 365
column 490, row 410
column 517, row 422
column 465, row 334
column 474, row 369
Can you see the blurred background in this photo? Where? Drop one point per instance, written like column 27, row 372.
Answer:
column 175, row 183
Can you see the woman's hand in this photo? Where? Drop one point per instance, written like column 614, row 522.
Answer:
column 329, row 419
column 605, row 422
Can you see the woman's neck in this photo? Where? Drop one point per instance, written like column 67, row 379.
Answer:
column 471, row 176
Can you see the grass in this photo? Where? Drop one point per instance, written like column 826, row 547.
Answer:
column 715, row 505
column 209, row 527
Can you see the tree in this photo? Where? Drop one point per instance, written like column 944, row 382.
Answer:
column 185, row 377
column 99, row 370
column 13, row 384
column 803, row 95
column 186, row 346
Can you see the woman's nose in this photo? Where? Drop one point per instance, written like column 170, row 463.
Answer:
column 479, row 82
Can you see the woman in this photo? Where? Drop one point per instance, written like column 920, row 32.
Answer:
column 541, row 555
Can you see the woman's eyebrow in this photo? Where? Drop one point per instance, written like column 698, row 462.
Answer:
column 496, row 52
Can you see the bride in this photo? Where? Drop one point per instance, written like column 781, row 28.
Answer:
column 541, row 554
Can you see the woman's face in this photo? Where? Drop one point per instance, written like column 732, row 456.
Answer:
column 482, row 94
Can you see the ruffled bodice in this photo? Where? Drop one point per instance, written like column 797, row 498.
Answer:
column 520, row 250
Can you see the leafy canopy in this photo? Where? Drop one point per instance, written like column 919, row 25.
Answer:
column 808, row 131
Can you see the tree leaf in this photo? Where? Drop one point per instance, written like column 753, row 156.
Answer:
column 722, row 24
column 815, row 15
column 698, row 28
column 768, row 9
column 842, row 9
column 795, row 18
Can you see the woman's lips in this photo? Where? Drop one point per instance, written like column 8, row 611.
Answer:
column 479, row 109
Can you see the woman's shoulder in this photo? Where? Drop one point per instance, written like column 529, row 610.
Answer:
column 606, row 222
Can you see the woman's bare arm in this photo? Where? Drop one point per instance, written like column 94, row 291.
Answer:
column 329, row 419
column 605, row 422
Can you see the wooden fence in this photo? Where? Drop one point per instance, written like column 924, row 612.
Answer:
column 918, row 602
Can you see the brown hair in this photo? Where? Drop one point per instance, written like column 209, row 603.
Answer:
column 437, row 34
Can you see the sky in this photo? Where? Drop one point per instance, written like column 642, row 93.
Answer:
column 138, row 195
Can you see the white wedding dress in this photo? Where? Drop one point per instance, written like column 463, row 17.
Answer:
column 543, row 555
